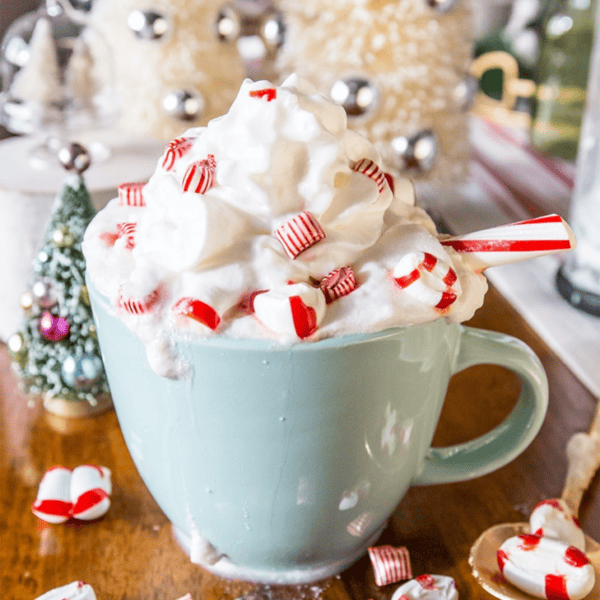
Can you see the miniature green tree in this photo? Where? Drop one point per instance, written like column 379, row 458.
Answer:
column 56, row 351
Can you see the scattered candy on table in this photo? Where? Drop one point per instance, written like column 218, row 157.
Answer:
column 427, row 587
column 77, row 590
column 546, row 568
column 82, row 493
column 390, row 564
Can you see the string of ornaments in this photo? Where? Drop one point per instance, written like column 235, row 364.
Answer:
column 56, row 352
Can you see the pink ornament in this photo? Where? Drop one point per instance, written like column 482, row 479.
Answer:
column 131, row 194
column 53, row 328
column 174, row 151
column 200, row 176
column 299, row 233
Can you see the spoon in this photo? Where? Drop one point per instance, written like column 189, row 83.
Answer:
column 583, row 460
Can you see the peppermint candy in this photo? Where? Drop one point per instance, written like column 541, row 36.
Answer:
column 268, row 94
column 371, row 169
column 131, row 194
column 82, row 493
column 200, row 176
column 514, row 242
column 338, row 283
column 427, row 278
column 358, row 526
column 428, row 587
column 299, row 233
column 175, row 150
column 77, row 590
column 197, row 310
column 136, row 304
column 127, row 231
column 53, row 503
column 553, row 518
column 546, row 568
column 390, row 564
column 294, row 309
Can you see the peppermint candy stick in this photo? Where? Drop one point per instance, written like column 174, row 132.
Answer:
column 514, row 242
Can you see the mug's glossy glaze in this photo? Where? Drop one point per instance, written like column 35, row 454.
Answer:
column 283, row 463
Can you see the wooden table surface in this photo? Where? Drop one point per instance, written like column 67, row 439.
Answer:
column 130, row 553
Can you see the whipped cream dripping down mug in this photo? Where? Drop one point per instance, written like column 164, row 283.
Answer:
column 282, row 464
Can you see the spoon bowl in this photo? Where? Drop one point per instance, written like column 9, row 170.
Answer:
column 484, row 564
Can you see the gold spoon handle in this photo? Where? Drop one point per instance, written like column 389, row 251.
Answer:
column 583, row 460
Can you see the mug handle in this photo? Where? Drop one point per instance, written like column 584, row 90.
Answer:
column 506, row 441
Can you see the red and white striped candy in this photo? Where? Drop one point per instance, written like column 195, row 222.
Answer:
column 514, row 242
column 131, row 194
column 90, row 491
column 295, row 309
column 175, row 150
column 77, row 590
column 427, row 278
column 299, row 233
column 553, row 518
column 136, row 304
column 200, row 176
column 127, row 230
column 358, row 526
column 390, row 564
column 546, row 568
column 268, row 94
column 371, row 169
column 197, row 310
column 53, row 503
column 427, row 587
column 338, row 283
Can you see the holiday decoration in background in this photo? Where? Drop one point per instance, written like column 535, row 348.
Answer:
column 56, row 352
column 51, row 81
column 401, row 70
column 179, row 64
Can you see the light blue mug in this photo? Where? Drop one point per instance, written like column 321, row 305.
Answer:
column 283, row 464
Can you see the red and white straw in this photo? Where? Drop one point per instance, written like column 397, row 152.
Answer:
column 200, row 176
column 372, row 170
column 514, row 242
column 175, row 150
column 390, row 564
column 299, row 233
column 131, row 194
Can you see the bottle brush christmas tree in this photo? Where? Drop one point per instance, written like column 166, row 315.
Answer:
column 56, row 351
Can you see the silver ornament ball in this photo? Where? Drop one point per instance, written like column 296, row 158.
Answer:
column 272, row 30
column 357, row 95
column 229, row 24
column 43, row 292
column 148, row 24
column 83, row 372
column 184, row 105
column 74, row 157
column 465, row 91
column 441, row 5
column 417, row 152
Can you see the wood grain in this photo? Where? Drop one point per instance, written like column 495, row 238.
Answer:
column 130, row 554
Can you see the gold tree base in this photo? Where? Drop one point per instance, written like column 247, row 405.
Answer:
column 73, row 409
